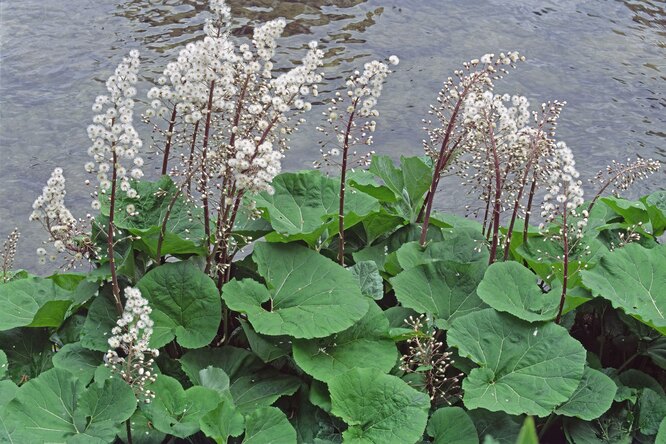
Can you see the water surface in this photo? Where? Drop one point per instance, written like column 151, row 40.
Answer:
column 606, row 59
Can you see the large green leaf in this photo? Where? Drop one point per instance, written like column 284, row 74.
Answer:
column 593, row 397
column 308, row 295
column 4, row 365
column 462, row 245
column 235, row 362
column 56, row 407
column 79, row 361
column 446, row 289
column 378, row 408
column 176, row 411
column 655, row 204
column 651, row 411
column 528, row 433
column 185, row 303
column 495, row 426
column 365, row 344
column 633, row 279
column 451, row 425
column 102, row 317
column 252, row 384
column 268, row 348
column 34, row 302
column 268, row 425
column 184, row 230
column 222, row 422
column 371, row 282
column 262, row 389
column 28, row 351
column 512, row 288
column 523, row 368
column 305, row 205
column 615, row 427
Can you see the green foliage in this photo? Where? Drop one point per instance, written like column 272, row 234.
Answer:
column 309, row 296
column 186, row 304
column 378, row 407
column 57, row 406
column 633, row 279
column 523, row 368
column 290, row 347
column 451, row 425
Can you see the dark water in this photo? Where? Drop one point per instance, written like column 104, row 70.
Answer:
column 607, row 59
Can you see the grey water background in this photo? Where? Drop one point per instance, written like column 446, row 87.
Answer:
column 605, row 58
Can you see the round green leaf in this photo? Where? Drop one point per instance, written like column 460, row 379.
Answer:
column 462, row 245
column 371, row 282
column 651, row 411
column 512, row 288
column 222, row 422
column 310, row 296
column 523, row 368
column 495, row 427
column 378, row 408
column 34, row 302
column 593, row 397
column 268, row 425
column 451, row 425
column 29, row 352
column 56, row 407
column 365, row 344
column 176, row 411
column 4, row 364
column 78, row 361
column 305, row 205
column 445, row 289
column 185, row 303
column 633, row 279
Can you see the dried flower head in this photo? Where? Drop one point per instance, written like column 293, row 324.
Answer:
column 9, row 253
column 426, row 355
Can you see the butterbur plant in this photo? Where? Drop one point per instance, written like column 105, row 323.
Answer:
column 9, row 253
column 351, row 116
column 358, row 312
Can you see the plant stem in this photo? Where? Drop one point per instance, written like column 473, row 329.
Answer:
column 343, row 178
column 565, row 277
column 442, row 161
column 546, row 425
column 167, row 148
column 528, row 210
column 516, row 206
column 204, row 173
column 628, row 361
column 498, row 195
column 128, row 427
column 110, row 250
column 191, row 159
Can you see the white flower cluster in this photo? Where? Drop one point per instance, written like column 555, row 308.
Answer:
column 366, row 88
column 254, row 168
column 113, row 135
column 49, row 209
column 131, row 336
column 509, row 115
column 565, row 191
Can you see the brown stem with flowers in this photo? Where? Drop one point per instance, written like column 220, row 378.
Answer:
column 442, row 161
column 565, row 237
column 343, row 178
column 167, row 148
column 204, row 173
column 115, row 288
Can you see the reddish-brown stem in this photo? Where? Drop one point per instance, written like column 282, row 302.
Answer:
column 565, row 268
column 115, row 288
column 516, row 206
column 442, row 161
column 204, row 173
column 343, row 178
column 498, row 195
column 191, row 159
column 528, row 210
column 167, row 148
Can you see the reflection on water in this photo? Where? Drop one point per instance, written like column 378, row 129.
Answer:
column 605, row 58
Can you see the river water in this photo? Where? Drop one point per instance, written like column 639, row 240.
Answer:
column 606, row 59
